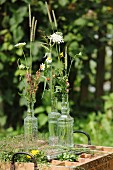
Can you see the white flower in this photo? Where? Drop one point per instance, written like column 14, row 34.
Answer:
column 57, row 37
column 20, row 44
column 42, row 67
column 21, row 66
column 80, row 54
column 49, row 60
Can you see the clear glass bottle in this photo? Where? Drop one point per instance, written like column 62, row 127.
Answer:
column 52, row 123
column 65, row 124
column 30, row 125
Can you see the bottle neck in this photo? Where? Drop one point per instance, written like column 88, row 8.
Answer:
column 30, row 110
column 65, row 105
column 54, row 104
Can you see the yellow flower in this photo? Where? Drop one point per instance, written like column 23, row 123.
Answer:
column 28, row 156
column 33, row 152
column 61, row 55
column 109, row 8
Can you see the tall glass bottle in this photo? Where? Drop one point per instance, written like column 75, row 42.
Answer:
column 65, row 124
column 52, row 122
column 30, row 125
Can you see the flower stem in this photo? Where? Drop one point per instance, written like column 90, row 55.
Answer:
column 70, row 66
column 30, row 57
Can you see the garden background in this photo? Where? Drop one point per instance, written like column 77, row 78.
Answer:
column 87, row 27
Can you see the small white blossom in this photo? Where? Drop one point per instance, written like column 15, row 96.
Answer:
column 57, row 37
column 42, row 67
column 21, row 66
column 96, row 36
column 49, row 60
column 20, row 44
column 80, row 54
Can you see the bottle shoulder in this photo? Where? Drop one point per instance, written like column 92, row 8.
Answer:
column 54, row 113
column 65, row 117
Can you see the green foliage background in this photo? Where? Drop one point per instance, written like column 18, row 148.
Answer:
column 87, row 27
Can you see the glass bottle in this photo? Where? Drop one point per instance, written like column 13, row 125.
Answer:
column 65, row 124
column 30, row 125
column 52, row 123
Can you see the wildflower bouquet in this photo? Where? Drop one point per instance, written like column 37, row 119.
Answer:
column 56, row 71
column 53, row 67
column 30, row 81
column 56, row 68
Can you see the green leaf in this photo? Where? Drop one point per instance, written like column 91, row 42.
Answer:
column 69, row 37
column 18, row 17
column 108, row 105
column 3, row 120
column 80, row 22
column 42, row 119
column 5, row 46
column 3, row 32
column 35, row 48
column 111, row 96
column 19, row 51
column 23, row 101
column 14, row 1
column 20, row 72
column 10, row 47
column 73, row 48
column 2, row 1
column 18, row 34
column 63, row 2
column 39, row 110
column 9, row 96
column 48, row 109
column 3, row 57
column 28, row 1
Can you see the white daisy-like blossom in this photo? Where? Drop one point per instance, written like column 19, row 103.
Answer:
column 49, row 60
column 20, row 44
column 42, row 67
column 57, row 37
